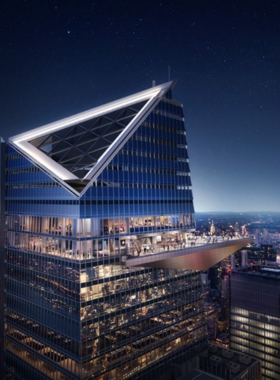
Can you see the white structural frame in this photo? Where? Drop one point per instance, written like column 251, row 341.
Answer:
column 21, row 142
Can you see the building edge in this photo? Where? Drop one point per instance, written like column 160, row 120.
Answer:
column 2, row 248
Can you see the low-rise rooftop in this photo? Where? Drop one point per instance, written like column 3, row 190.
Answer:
column 218, row 363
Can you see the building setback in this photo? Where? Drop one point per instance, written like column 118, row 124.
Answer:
column 255, row 316
column 81, row 194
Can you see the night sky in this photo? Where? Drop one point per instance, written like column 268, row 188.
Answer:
column 63, row 57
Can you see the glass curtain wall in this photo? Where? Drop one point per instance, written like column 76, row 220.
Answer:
column 72, row 310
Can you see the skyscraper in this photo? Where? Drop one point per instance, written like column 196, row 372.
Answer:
column 268, row 253
column 91, row 200
column 2, row 248
column 80, row 194
column 254, row 316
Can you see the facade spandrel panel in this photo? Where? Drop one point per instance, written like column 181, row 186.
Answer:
column 72, row 310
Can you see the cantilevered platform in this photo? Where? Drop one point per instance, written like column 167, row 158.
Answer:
column 196, row 258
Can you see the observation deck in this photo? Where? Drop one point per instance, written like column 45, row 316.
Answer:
column 199, row 254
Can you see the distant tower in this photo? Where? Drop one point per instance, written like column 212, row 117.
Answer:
column 244, row 258
column 258, row 235
column 254, row 294
column 232, row 257
column 212, row 228
column 266, row 236
column 236, row 227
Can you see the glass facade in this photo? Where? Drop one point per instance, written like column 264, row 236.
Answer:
column 254, row 316
column 72, row 311
column 2, row 249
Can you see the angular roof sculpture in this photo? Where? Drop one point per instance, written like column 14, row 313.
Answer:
column 75, row 150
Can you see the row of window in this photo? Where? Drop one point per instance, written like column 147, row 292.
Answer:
column 97, row 248
column 116, row 167
column 110, row 355
column 92, row 273
column 47, row 334
column 23, row 170
column 167, row 114
column 31, row 362
column 146, row 170
column 164, row 128
column 268, row 345
column 256, row 316
column 158, row 141
column 137, row 185
column 36, row 185
column 102, row 184
column 149, row 353
column 125, row 293
column 248, row 322
column 33, row 185
column 170, row 106
column 251, row 348
column 13, row 156
column 101, row 202
column 167, row 101
column 153, row 155
column 96, row 226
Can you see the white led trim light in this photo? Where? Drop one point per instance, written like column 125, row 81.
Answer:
column 21, row 141
column 94, row 112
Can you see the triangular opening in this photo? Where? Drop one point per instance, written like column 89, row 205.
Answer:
column 81, row 145
column 75, row 150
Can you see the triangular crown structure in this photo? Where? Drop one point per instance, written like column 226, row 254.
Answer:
column 75, row 150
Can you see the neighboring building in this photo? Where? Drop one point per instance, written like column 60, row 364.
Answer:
column 258, row 255
column 223, row 323
column 255, row 316
column 253, row 255
column 217, row 363
column 266, row 236
column 225, row 287
column 80, row 194
column 268, row 253
column 244, row 258
column 258, row 236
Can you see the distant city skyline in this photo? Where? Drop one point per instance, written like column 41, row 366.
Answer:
column 61, row 59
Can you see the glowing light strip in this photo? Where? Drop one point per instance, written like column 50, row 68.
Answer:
column 98, row 111
column 45, row 161
column 21, row 141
